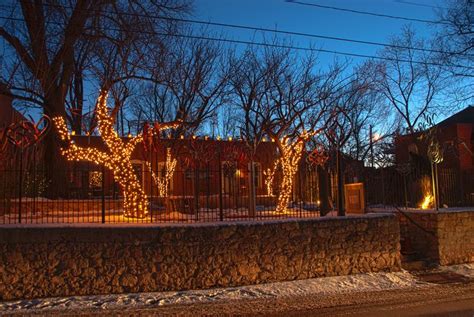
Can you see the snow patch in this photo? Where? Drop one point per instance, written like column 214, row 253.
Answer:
column 327, row 285
column 462, row 269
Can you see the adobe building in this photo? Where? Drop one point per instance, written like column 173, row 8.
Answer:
column 201, row 159
column 455, row 135
column 456, row 173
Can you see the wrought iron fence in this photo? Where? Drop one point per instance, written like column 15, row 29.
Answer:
column 394, row 186
column 90, row 195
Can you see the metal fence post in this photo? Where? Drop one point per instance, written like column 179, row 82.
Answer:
column 221, row 211
column 20, row 182
column 103, row 194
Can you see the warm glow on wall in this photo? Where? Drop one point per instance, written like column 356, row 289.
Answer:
column 117, row 158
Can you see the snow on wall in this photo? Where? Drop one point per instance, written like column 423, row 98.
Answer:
column 84, row 260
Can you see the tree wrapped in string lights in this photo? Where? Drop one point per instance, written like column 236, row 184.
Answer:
column 291, row 152
column 163, row 181
column 269, row 174
column 117, row 157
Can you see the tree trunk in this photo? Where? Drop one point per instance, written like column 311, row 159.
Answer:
column 286, row 187
column 76, row 114
column 55, row 165
column 323, row 191
column 135, row 201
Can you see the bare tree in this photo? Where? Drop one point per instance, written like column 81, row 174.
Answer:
column 190, row 85
column 406, row 79
column 456, row 39
column 298, row 110
column 42, row 41
column 250, row 84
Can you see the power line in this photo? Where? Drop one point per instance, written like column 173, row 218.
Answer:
column 311, row 35
column 380, row 15
column 419, row 4
column 292, row 47
column 261, row 29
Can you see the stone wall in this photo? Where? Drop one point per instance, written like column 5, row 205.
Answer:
column 444, row 237
column 78, row 260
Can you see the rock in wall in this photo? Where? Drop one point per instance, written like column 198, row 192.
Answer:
column 79, row 260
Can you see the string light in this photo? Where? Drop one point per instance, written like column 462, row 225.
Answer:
column 95, row 179
column 164, row 182
column 269, row 174
column 290, row 157
column 117, row 158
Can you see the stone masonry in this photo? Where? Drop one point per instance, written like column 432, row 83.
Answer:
column 443, row 237
column 43, row 261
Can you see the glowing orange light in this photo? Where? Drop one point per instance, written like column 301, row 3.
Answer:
column 289, row 160
column 269, row 174
column 427, row 201
column 117, row 157
column 163, row 183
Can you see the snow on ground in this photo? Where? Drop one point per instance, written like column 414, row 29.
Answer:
column 116, row 216
column 462, row 269
column 385, row 209
column 321, row 286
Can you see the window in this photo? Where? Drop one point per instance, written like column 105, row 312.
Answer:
column 258, row 174
column 95, row 179
column 229, row 177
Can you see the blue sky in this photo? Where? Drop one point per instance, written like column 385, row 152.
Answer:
column 281, row 15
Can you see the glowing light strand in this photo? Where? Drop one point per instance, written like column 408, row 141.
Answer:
column 163, row 182
column 117, row 158
column 290, row 157
column 269, row 174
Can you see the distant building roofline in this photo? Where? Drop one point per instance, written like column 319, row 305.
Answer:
column 464, row 116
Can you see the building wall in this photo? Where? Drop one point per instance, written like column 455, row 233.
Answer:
column 47, row 261
column 442, row 237
column 465, row 135
column 209, row 153
column 449, row 136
